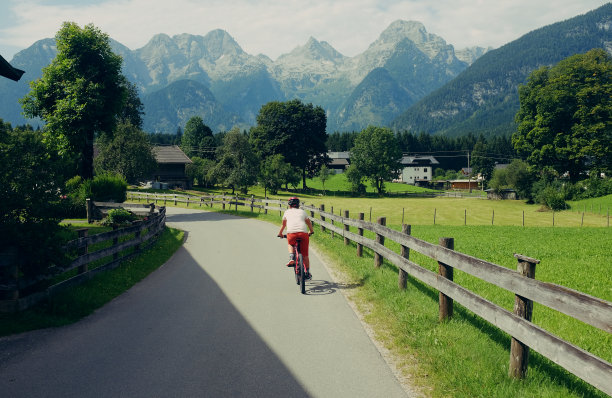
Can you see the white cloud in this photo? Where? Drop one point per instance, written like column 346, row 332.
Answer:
column 274, row 27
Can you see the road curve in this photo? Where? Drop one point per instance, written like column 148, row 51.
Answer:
column 222, row 318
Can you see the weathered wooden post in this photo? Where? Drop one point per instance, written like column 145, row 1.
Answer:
column 83, row 250
column 405, row 252
column 90, row 210
column 252, row 200
column 322, row 209
column 223, row 200
column 151, row 208
column 332, row 222
column 137, row 236
column 346, row 228
column 523, row 307
column 378, row 258
column 445, row 271
column 265, row 203
column 236, row 202
column 187, row 200
column 360, row 232
column 175, row 200
column 280, row 209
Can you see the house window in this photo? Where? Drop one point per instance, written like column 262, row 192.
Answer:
column 425, row 177
column 425, row 169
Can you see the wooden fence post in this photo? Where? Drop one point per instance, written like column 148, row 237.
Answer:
column 346, row 228
column 332, row 222
column 83, row 250
column 223, row 200
column 187, row 201
column 523, row 307
column 175, row 200
column 405, row 252
column 445, row 271
column 252, row 200
column 360, row 232
column 90, row 210
column 378, row 259
column 265, row 204
column 136, row 236
column 322, row 208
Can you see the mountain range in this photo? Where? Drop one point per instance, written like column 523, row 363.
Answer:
column 408, row 79
column 212, row 77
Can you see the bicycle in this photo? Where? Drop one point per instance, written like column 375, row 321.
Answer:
column 300, row 271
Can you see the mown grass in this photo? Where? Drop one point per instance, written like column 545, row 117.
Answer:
column 77, row 302
column 467, row 357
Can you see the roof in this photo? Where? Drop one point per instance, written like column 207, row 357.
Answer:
column 170, row 154
column 339, row 162
column 339, row 155
column 7, row 70
column 418, row 161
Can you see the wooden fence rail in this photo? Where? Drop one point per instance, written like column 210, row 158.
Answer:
column 11, row 287
column 525, row 334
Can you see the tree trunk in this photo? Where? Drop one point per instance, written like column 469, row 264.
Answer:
column 87, row 157
column 304, row 178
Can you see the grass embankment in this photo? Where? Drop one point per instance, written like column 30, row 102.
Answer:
column 467, row 357
column 77, row 302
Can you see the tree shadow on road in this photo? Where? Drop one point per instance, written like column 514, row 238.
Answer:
column 321, row 287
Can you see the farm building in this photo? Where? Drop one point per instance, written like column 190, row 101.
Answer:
column 464, row 184
column 417, row 168
column 339, row 161
column 502, row 194
column 171, row 162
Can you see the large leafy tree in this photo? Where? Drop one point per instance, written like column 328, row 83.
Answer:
column 197, row 139
column 128, row 152
column 296, row 131
column 237, row 165
column 81, row 94
column 376, row 156
column 29, row 198
column 482, row 161
column 565, row 116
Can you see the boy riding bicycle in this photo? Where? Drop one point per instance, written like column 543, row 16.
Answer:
column 298, row 226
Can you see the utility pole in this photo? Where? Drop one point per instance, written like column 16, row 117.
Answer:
column 469, row 172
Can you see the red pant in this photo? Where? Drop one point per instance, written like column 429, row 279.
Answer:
column 291, row 238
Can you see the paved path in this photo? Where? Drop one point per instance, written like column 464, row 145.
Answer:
column 222, row 318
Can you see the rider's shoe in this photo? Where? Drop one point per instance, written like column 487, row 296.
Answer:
column 291, row 262
column 308, row 275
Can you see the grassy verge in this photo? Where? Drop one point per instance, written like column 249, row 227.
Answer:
column 467, row 357
column 77, row 302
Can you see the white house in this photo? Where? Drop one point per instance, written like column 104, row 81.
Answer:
column 417, row 168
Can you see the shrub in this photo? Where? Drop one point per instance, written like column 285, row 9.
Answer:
column 106, row 187
column 552, row 197
column 119, row 217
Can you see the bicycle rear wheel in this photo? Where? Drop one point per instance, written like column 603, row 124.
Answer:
column 302, row 276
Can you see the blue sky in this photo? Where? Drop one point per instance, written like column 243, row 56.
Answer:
column 275, row 27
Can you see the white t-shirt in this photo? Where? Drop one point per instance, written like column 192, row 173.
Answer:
column 296, row 220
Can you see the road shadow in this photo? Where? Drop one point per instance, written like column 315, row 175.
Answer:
column 174, row 334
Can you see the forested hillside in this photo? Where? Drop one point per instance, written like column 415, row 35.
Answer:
column 483, row 99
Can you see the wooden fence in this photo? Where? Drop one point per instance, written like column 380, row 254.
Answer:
column 521, row 283
column 12, row 284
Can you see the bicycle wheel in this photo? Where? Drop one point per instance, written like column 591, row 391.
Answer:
column 302, row 276
column 296, row 268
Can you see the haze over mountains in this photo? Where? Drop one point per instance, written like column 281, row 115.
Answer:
column 408, row 78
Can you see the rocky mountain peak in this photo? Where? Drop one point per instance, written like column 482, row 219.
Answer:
column 414, row 31
column 218, row 43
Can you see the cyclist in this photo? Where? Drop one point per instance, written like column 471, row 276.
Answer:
column 298, row 226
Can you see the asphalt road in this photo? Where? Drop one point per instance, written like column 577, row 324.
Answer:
column 222, row 318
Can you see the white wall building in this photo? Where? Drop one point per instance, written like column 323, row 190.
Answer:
column 415, row 168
